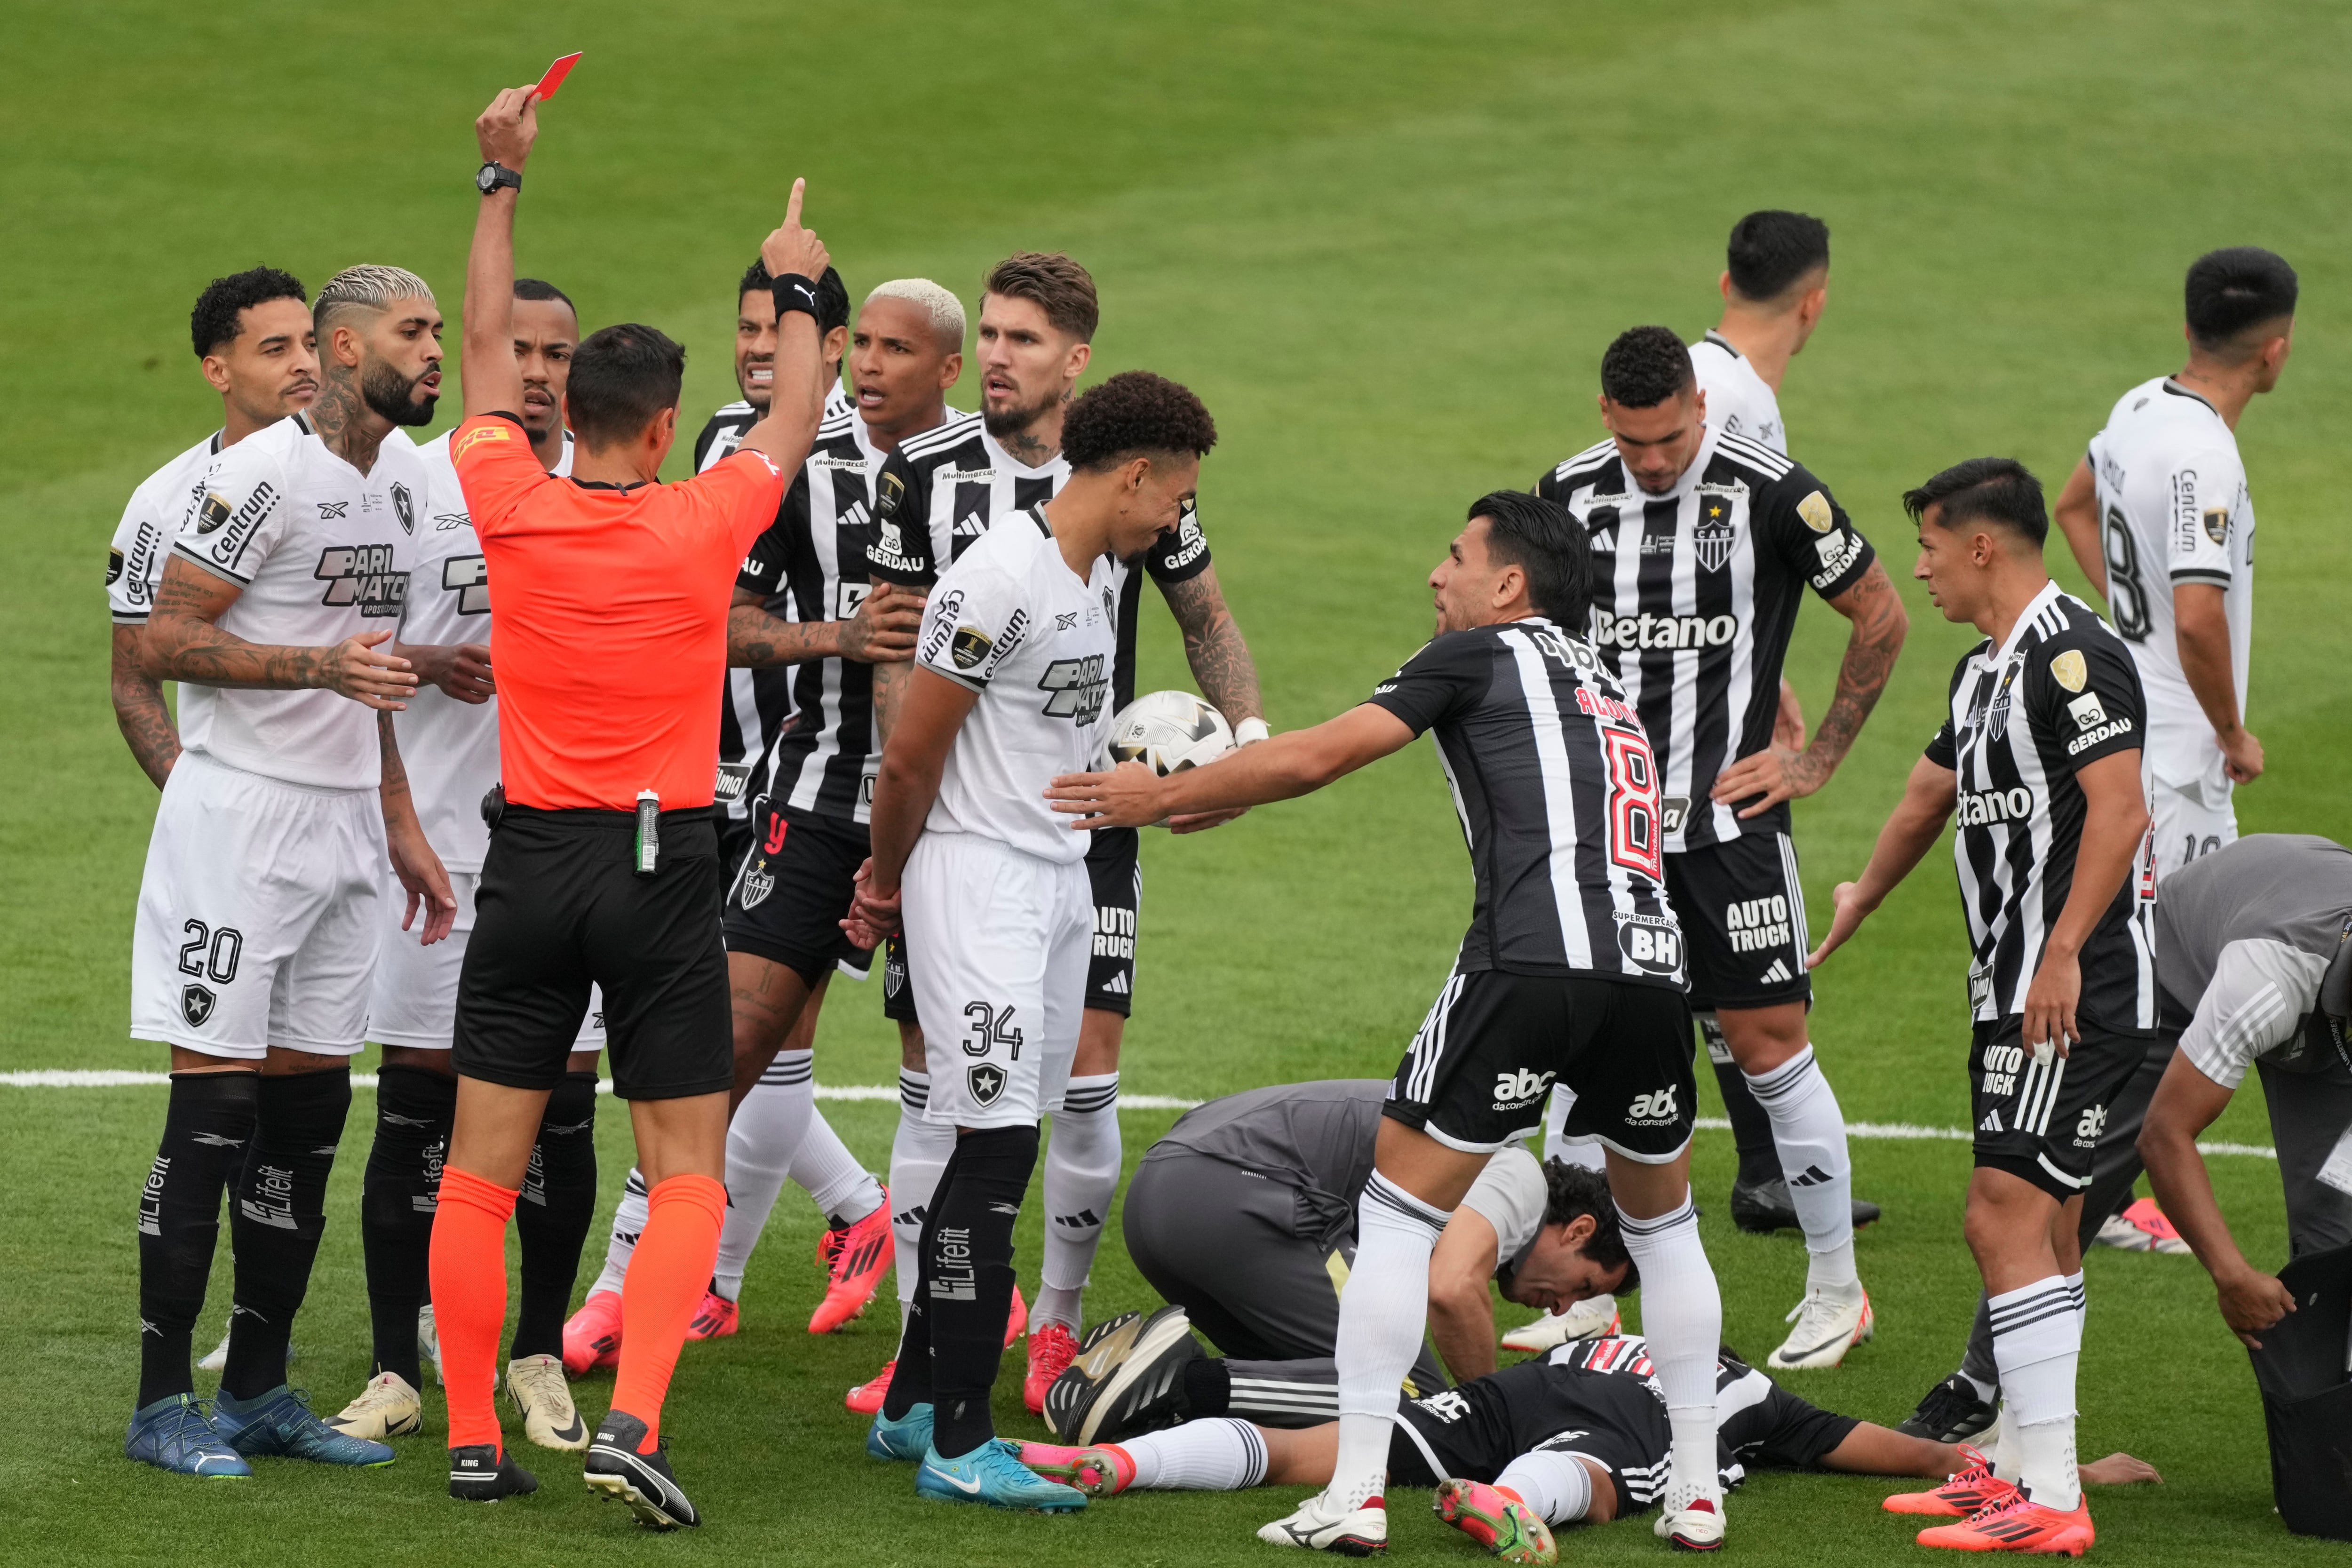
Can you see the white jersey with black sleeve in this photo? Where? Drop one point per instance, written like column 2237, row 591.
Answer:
column 134, row 561
column 1010, row 621
column 1695, row 596
column 450, row 749
column 1738, row 401
column 2174, row 510
column 322, row 552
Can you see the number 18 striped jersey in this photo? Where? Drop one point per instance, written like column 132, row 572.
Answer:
column 1557, row 793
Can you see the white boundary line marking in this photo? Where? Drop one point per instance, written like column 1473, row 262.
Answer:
column 56, row 1078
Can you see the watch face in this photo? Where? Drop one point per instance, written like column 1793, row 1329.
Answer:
column 486, row 179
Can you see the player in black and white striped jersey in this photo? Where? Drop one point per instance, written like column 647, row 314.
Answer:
column 938, row 495
column 759, row 700
column 1703, row 544
column 2038, row 755
column 801, row 624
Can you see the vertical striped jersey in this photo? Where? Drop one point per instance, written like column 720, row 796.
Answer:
column 1695, row 594
column 942, row 490
column 2023, row 719
column 1558, row 794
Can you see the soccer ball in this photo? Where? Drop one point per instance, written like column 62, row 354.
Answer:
column 1168, row 732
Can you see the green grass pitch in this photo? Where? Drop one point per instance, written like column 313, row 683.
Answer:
column 1387, row 242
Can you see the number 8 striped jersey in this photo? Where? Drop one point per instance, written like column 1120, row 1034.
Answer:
column 2025, row 719
column 1557, row 793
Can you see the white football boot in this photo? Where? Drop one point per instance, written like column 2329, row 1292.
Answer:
column 1691, row 1519
column 1323, row 1525
column 387, row 1407
column 218, row 1360
column 1586, row 1320
column 536, row 1384
column 428, row 1342
column 1826, row 1329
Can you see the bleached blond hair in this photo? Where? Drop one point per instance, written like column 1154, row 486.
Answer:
column 366, row 288
column 945, row 311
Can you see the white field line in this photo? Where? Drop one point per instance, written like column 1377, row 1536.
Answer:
column 52, row 1077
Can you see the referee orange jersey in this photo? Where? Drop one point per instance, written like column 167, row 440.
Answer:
column 611, row 640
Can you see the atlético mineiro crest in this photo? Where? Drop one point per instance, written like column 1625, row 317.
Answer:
column 195, row 1004
column 986, row 1081
column 1712, row 540
column 404, row 507
column 757, row 883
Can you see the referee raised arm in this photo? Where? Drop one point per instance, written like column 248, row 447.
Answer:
column 604, row 860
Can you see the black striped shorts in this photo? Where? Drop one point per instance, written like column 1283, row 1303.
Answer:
column 2041, row 1122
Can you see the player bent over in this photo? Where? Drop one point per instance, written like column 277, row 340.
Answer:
column 1571, row 973
column 1579, row 1435
column 1010, row 689
column 450, row 739
column 259, row 912
column 603, row 867
column 2039, row 754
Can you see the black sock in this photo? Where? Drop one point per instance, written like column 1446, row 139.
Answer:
column 1208, row 1388
column 413, row 1108
column 280, row 1213
column 1751, row 1130
column 206, row 1127
column 552, row 1216
column 911, row 1384
column 969, row 1270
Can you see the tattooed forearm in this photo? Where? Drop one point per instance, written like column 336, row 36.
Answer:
column 756, row 638
column 182, row 644
column 1213, row 647
column 140, row 710
column 1880, row 625
column 889, row 691
column 392, row 791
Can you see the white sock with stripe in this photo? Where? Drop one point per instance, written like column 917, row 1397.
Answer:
column 628, row 1223
column 1554, row 1484
column 1809, row 1131
column 1082, row 1161
column 1383, row 1312
column 762, row 1137
column 836, row 1181
column 1217, row 1455
column 918, row 1153
column 2037, row 1341
column 1682, row 1314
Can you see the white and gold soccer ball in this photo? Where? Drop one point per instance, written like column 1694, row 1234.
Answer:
column 1168, row 732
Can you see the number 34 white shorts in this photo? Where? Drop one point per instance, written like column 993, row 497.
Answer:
column 258, row 914
column 998, row 943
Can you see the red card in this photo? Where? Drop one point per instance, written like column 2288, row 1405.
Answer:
column 555, row 75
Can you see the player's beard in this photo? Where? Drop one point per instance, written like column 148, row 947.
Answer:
column 392, row 396
column 1013, row 421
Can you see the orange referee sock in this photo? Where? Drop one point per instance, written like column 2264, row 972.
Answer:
column 667, row 1278
column 470, row 1298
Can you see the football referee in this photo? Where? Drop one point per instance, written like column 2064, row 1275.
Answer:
column 603, row 867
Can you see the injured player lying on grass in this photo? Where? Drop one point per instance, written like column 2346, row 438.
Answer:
column 1578, row 1434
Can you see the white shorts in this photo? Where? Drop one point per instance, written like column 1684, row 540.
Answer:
column 2188, row 822
column 258, row 914
column 1000, row 942
column 414, row 1003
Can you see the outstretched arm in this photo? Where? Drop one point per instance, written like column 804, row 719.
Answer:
column 796, row 400
column 1297, row 763
column 1915, row 822
column 506, row 131
column 183, row 643
column 881, row 632
column 1880, row 623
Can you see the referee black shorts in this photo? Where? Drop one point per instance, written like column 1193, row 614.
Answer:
column 1478, row 1074
column 1743, row 919
column 791, row 888
column 561, row 908
column 1114, row 868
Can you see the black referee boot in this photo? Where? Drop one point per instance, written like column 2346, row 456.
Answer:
column 481, row 1472
column 1763, row 1207
column 644, row 1482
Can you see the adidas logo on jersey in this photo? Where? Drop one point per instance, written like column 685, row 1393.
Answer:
column 971, row 525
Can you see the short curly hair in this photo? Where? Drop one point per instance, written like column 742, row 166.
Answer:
column 1572, row 1191
column 1133, row 414
column 220, row 310
column 1645, row 366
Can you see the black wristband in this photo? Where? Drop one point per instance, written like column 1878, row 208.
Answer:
column 795, row 292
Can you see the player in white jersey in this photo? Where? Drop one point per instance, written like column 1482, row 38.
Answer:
column 1775, row 286
column 1010, row 689
column 252, row 336
column 449, row 743
column 2161, row 521
column 259, row 909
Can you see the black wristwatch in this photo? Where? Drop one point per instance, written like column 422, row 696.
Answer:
column 490, row 176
